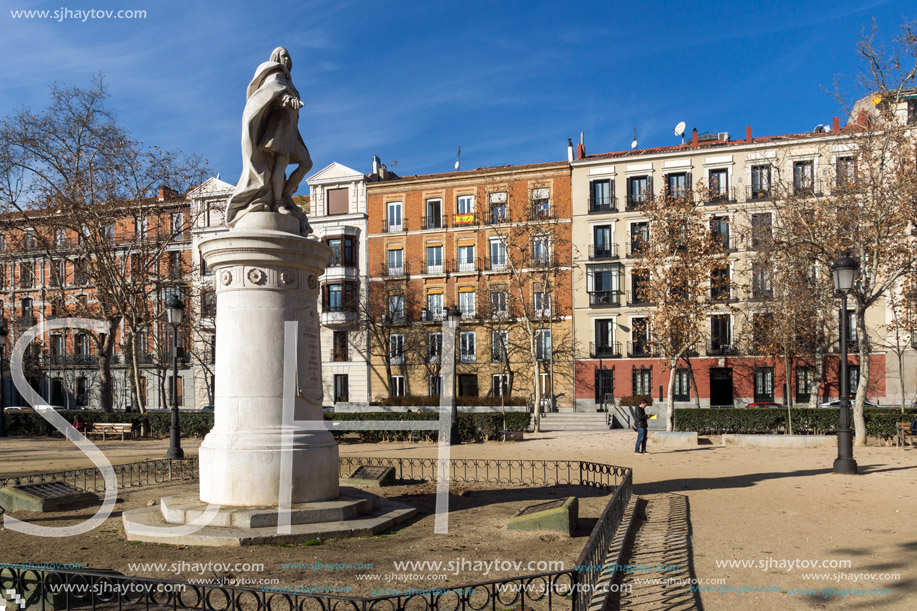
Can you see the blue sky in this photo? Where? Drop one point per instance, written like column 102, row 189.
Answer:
column 509, row 82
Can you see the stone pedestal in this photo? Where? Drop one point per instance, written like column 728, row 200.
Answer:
column 266, row 274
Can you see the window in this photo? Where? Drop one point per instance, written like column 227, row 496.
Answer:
column 208, row 304
column 853, row 379
column 341, row 348
column 604, row 338
column 600, row 196
column 604, row 386
column 761, row 281
column 28, row 239
column 677, row 185
column 642, row 381
column 81, row 390
column 60, row 239
column 719, row 227
column 434, row 260
column 803, row 175
column 498, row 207
column 395, row 263
column 499, row 385
column 81, row 272
column 541, row 203
column 341, row 384
column 541, row 303
column 57, row 345
column 720, row 337
column 682, row 386
column 499, row 340
column 396, row 386
column 342, row 252
column 338, row 201
column 805, row 384
column 396, row 348
column 543, row 350
column 762, row 326
column 846, row 172
column 435, row 306
column 468, row 385
column 394, row 220
column 434, row 346
column 467, row 304
column 177, row 220
column 639, row 336
column 603, row 283
column 762, row 232
column 638, row 191
column 911, row 112
column 601, row 242
column 719, row 185
column 639, row 238
column 498, row 302
column 466, row 258
column 434, row 210
column 640, row 285
column 26, row 275
column 335, row 299
column 436, row 385
column 764, row 384
column 760, row 181
column 140, row 227
column 497, row 254
column 464, row 210
column 175, row 264
column 541, row 251
column 396, row 308
column 720, row 289
column 467, row 347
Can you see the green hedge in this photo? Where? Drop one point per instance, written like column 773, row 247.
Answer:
column 880, row 423
column 424, row 401
column 156, row 424
column 471, row 427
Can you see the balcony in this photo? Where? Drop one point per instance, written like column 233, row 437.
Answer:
column 636, row 299
column 437, row 267
column 541, row 212
column 725, row 241
column 433, row 222
column 464, row 267
column 605, row 251
column 541, row 261
column 636, row 248
column 396, row 318
column 721, row 348
column 601, row 205
column 339, row 314
column 392, row 226
column 807, row 188
column 634, row 202
column 394, row 271
column 465, row 220
column 680, row 193
column 73, row 360
column 433, row 315
column 467, row 357
column 717, row 197
column 499, row 215
column 758, row 193
column 638, row 348
column 499, row 265
column 605, row 350
column 469, row 314
column 605, row 298
column 723, row 295
column 25, row 322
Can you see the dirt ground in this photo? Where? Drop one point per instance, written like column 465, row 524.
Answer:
column 704, row 512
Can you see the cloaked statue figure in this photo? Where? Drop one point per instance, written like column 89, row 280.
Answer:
column 270, row 142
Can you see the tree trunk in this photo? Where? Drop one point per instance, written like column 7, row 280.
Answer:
column 693, row 383
column 537, row 371
column 787, row 392
column 670, row 400
column 859, row 421
column 818, row 379
column 901, row 379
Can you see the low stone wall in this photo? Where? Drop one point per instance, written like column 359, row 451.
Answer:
column 780, row 441
column 354, row 408
column 676, row 440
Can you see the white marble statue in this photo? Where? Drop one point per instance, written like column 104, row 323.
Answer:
column 270, row 142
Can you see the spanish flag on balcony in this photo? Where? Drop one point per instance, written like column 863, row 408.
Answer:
column 464, row 219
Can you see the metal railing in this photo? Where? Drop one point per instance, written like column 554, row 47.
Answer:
column 759, row 192
column 635, row 201
column 127, row 475
column 436, row 268
column 497, row 266
column 433, row 222
column 611, row 349
column 721, row 349
column 393, row 271
column 607, row 251
column 603, row 204
column 605, row 298
column 73, row 359
column 715, row 196
column 467, row 266
column 636, row 248
column 639, row 349
column 541, row 212
column 433, row 315
column 805, row 188
column 391, row 227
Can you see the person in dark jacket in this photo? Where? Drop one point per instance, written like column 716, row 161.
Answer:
column 640, row 427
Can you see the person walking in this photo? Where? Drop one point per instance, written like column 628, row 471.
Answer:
column 640, row 427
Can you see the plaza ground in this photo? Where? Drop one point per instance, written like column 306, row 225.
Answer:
column 701, row 509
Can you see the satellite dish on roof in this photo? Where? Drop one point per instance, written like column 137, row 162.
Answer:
column 818, row 129
column 633, row 144
column 679, row 129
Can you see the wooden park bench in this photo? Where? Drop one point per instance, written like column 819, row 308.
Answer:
column 904, row 431
column 111, row 428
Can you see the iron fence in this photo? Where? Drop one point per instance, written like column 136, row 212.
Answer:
column 128, row 475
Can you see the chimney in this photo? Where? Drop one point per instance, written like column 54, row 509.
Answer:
column 748, row 133
column 376, row 162
column 862, row 118
column 569, row 150
column 836, row 126
column 581, row 147
column 694, row 137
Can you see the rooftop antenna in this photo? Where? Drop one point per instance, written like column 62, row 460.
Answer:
column 680, row 131
column 458, row 158
column 633, row 144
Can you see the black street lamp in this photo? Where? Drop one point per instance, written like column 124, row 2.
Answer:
column 844, row 271
column 3, row 334
column 453, row 315
column 174, row 311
